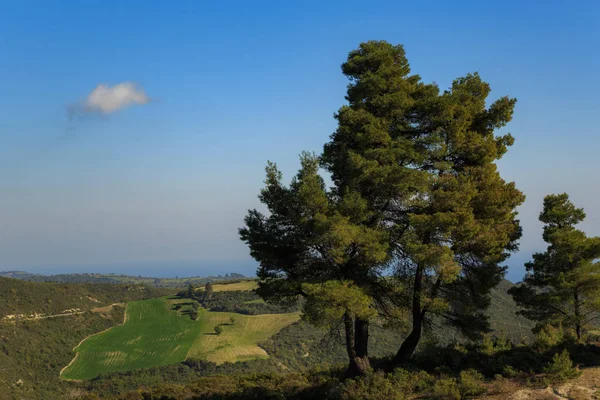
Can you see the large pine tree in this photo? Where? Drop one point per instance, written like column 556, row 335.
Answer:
column 418, row 220
column 424, row 163
column 562, row 285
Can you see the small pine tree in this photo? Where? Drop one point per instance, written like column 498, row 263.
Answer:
column 190, row 293
column 561, row 368
column 208, row 293
column 562, row 285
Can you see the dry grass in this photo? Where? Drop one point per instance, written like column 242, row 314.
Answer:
column 237, row 341
column 237, row 286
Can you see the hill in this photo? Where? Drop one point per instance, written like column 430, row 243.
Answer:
column 123, row 279
column 40, row 323
column 35, row 347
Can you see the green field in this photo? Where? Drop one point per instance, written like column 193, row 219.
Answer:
column 155, row 334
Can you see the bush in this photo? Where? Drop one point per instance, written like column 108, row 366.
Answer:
column 446, row 389
column 194, row 315
column 218, row 330
column 548, row 336
column 561, row 368
column 410, row 382
column 374, row 386
column 471, row 383
column 491, row 345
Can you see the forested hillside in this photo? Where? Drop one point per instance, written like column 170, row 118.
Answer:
column 172, row 282
column 41, row 323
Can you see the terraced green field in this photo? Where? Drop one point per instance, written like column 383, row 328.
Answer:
column 155, row 334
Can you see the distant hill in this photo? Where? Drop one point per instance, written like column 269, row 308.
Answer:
column 40, row 324
column 120, row 278
column 50, row 319
column 503, row 314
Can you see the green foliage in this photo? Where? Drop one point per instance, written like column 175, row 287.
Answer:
column 373, row 386
column 208, row 294
column 245, row 302
column 32, row 352
column 423, row 164
column 561, row 368
column 415, row 186
column 446, row 389
column 471, row 383
column 548, row 336
column 327, row 302
column 562, row 285
column 491, row 344
column 218, row 330
column 22, row 298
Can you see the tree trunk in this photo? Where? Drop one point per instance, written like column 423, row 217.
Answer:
column 409, row 345
column 577, row 315
column 357, row 336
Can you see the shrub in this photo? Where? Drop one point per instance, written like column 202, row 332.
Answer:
column 410, row 382
column 561, row 368
column 446, row 389
column 374, row 386
column 471, row 383
column 509, row 371
column 218, row 329
column 548, row 336
column 194, row 315
column 491, row 345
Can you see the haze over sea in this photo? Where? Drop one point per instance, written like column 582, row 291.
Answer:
column 119, row 157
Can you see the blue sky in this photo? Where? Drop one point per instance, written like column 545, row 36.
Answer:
column 161, row 188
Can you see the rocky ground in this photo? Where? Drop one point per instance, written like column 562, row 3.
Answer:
column 585, row 387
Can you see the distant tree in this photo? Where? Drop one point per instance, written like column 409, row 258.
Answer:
column 190, row 293
column 562, row 285
column 218, row 330
column 195, row 306
column 232, row 320
column 194, row 315
column 208, row 293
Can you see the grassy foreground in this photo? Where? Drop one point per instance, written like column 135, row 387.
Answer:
column 156, row 334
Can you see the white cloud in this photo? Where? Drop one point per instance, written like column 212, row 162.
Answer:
column 108, row 99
